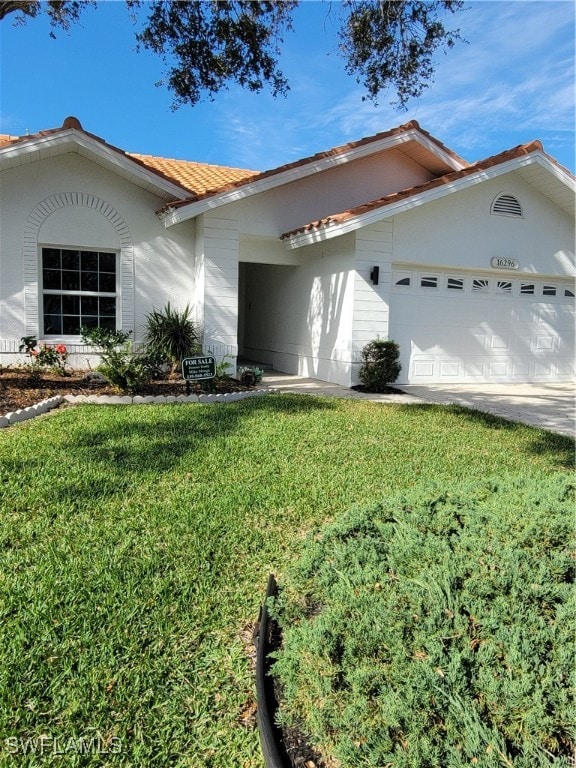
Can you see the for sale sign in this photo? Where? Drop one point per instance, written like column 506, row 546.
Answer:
column 198, row 368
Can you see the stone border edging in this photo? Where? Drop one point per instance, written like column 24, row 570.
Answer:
column 23, row 414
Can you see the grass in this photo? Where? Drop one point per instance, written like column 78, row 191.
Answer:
column 135, row 545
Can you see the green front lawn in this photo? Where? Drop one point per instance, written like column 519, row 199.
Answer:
column 135, row 545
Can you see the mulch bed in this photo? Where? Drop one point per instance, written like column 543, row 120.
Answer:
column 18, row 389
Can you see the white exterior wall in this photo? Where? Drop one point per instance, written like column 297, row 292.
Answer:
column 70, row 201
column 299, row 319
column 374, row 248
column 218, row 252
column 459, row 231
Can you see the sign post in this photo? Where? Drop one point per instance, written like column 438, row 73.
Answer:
column 200, row 368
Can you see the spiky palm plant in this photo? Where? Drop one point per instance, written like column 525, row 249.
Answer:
column 172, row 335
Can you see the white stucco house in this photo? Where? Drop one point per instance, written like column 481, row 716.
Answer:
column 469, row 267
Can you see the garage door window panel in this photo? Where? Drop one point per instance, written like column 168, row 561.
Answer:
column 455, row 284
column 504, row 287
column 479, row 285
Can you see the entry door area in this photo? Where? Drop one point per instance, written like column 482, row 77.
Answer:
column 455, row 327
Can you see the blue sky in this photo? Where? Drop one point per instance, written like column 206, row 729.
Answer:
column 513, row 82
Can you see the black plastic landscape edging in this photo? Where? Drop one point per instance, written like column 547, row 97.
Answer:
column 270, row 734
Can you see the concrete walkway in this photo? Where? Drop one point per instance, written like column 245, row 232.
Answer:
column 548, row 406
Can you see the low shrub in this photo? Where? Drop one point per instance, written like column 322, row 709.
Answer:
column 249, row 375
column 436, row 631
column 380, row 365
column 44, row 356
column 119, row 365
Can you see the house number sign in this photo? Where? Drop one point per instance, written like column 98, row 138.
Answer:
column 499, row 263
column 198, row 368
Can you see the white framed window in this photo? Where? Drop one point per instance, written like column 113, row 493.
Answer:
column 429, row 281
column 549, row 290
column 455, row 283
column 79, row 287
column 568, row 291
column 527, row 289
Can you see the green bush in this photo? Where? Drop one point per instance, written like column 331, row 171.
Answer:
column 172, row 335
column 380, row 366
column 119, row 365
column 436, row 631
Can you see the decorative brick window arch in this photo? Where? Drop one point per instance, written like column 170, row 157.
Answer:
column 38, row 216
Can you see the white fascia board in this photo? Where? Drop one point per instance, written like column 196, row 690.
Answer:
column 91, row 146
column 556, row 170
column 190, row 211
column 415, row 201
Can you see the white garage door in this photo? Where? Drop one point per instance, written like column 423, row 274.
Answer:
column 456, row 327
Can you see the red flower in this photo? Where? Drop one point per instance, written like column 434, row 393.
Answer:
column 61, row 349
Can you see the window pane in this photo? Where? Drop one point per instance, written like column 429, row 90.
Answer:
column 89, row 281
column 455, row 283
column 107, row 283
column 568, row 292
column 52, row 305
column 107, row 307
column 71, row 305
column 108, row 322
column 549, row 290
column 89, row 305
column 108, row 262
column 89, row 320
column 429, row 282
column 51, row 279
column 70, row 281
column 89, row 261
column 403, row 281
column 51, row 258
column 52, row 324
column 71, row 260
column 71, row 325
column 527, row 288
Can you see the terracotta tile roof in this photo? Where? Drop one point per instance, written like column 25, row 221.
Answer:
column 199, row 178
column 482, row 165
column 334, row 152
column 195, row 178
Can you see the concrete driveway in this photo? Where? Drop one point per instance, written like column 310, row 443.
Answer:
column 548, row 406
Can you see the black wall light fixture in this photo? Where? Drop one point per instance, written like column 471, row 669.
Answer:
column 374, row 275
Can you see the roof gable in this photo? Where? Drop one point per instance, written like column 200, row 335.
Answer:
column 529, row 160
column 169, row 178
column 410, row 139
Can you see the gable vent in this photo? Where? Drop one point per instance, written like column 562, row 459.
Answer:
column 506, row 205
